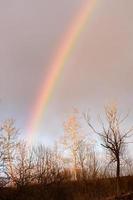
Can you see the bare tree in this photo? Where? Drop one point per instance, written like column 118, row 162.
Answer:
column 82, row 158
column 114, row 137
column 23, row 166
column 88, row 162
column 41, row 162
column 48, row 167
column 92, row 163
column 9, row 144
column 72, row 139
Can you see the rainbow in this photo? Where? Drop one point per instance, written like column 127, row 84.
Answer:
column 63, row 53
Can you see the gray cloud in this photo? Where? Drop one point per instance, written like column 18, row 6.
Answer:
column 99, row 69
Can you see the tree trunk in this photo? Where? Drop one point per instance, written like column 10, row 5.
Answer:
column 118, row 176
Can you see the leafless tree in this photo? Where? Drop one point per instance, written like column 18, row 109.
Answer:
column 48, row 168
column 82, row 158
column 113, row 136
column 41, row 161
column 87, row 161
column 9, row 143
column 17, row 159
column 71, row 140
column 23, row 166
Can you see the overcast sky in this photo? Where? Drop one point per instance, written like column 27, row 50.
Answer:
column 99, row 70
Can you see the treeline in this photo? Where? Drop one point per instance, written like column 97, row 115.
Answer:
column 24, row 165
column 72, row 160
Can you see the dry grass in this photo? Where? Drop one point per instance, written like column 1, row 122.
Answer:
column 100, row 189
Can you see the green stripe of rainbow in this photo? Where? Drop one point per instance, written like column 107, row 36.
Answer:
column 61, row 57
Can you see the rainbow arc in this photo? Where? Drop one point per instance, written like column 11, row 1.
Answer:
column 64, row 51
